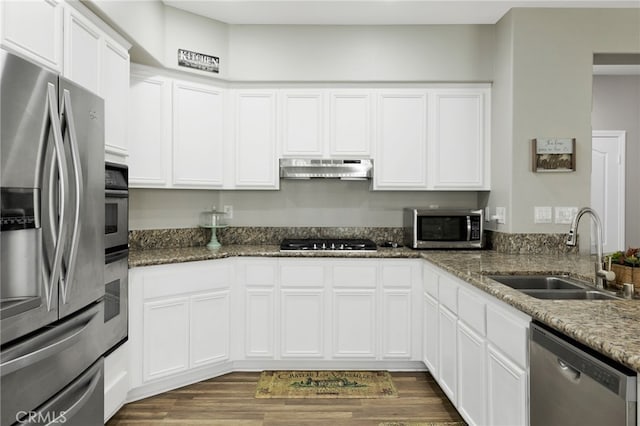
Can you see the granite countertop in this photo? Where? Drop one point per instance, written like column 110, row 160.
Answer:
column 611, row 327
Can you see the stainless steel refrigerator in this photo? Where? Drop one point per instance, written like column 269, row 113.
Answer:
column 51, row 247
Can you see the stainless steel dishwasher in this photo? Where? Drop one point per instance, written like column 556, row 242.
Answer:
column 573, row 385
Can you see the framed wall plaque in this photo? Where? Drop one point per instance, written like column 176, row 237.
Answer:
column 553, row 154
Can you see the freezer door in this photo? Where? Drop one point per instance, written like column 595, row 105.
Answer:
column 36, row 368
column 82, row 122
column 29, row 126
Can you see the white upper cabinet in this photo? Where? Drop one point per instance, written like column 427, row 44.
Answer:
column 82, row 46
column 302, row 123
column 149, row 133
column 459, row 139
column 350, row 123
column 400, row 159
column 198, row 135
column 255, row 158
column 34, row 29
column 115, row 91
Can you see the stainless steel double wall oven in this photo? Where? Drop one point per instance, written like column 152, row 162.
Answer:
column 52, row 248
column 116, row 257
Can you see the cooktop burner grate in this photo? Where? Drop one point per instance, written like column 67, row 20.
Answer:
column 327, row 244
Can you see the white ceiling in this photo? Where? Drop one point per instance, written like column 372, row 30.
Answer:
column 372, row 12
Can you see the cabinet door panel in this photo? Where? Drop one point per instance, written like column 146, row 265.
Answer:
column 209, row 328
column 302, row 124
column 115, row 91
column 354, row 323
column 149, row 131
column 459, row 133
column 472, row 399
column 259, row 316
column 197, row 136
column 34, row 28
column 350, row 124
column 430, row 338
column 396, row 324
column 166, row 337
column 507, row 386
column 82, row 52
column 401, row 141
column 302, row 323
column 255, row 140
column 447, row 356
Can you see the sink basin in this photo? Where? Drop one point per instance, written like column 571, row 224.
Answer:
column 537, row 282
column 570, row 294
column 553, row 287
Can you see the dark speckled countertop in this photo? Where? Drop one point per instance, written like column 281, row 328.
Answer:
column 611, row 327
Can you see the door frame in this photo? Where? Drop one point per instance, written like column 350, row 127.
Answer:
column 621, row 137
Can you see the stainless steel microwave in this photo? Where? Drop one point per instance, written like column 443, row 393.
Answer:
column 443, row 229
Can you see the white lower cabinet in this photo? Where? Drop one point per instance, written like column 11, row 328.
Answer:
column 302, row 319
column 447, row 350
column 259, row 323
column 471, row 375
column 166, row 337
column 507, row 390
column 116, row 380
column 480, row 352
column 354, row 323
column 209, row 328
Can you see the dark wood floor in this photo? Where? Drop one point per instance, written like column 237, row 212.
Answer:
column 229, row 400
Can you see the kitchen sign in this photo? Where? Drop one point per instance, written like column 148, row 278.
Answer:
column 200, row 61
column 553, row 154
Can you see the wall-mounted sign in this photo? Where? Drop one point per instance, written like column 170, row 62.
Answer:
column 200, row 61
column 553, row 154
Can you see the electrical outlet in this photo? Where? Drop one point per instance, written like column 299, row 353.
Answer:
column 542, row 215
column 564, row 215
column 228, row 212
column 487, row 214
column 501, row 215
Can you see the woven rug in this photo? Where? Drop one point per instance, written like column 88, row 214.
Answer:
column 326, row 384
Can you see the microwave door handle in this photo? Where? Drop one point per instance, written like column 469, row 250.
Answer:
column 67, row 120
column 58, row 229
column 468, row 228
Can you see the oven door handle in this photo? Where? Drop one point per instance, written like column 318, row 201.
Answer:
column 115, row 256
column 31, row 355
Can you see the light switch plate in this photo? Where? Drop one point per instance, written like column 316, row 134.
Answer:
column 543, row 214
column 564, row 215
column 501, row 214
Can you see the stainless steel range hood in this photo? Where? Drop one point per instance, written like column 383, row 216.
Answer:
column 307, row 168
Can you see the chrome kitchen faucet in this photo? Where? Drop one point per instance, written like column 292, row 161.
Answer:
column 601, row 274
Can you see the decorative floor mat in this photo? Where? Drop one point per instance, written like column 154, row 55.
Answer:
column 326, row 384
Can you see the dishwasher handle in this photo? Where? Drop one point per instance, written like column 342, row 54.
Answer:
column 613, row 376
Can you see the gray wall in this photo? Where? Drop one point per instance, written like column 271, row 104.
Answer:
column 552, row 58
column 616, row 106
column 298, row 203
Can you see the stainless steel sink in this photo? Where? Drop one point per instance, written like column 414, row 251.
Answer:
column 570, row 294
column 537, row 282
column 553, row 287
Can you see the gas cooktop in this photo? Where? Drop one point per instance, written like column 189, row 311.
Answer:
column 327, row 244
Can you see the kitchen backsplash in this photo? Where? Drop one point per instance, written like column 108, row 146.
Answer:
column 255, row 235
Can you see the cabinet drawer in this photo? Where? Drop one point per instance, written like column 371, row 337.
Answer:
column 430, row 281
column 508, row 333
column 300, row 273
column 170, row 280
column 260, row 273
column 355, row 274
column 448, row 293
column 471, row 310
column 397, row 274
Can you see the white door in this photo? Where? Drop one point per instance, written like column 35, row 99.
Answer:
column 608, row 186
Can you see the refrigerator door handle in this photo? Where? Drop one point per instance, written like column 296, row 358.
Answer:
column 67, row 121
column 30, row 356
column 60, row 161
